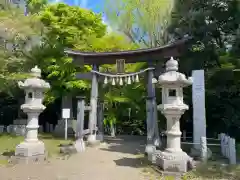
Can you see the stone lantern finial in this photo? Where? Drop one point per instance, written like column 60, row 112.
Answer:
column 172, row 65
column 36, row 72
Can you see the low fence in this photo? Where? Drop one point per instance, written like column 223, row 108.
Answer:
column 226, row 144
column 228, row 148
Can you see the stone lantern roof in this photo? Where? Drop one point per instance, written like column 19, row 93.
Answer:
column 34, row 82
column 173, row 78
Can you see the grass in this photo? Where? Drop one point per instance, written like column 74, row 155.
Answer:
column 214, row 170
column 9, row 142
column 208, row 171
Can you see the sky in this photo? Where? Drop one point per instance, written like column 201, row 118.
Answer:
column 95, row 5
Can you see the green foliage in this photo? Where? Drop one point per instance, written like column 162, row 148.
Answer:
column 35, row 6
column 107, row 43
column 17, row 33
column 69, row 25
column 65, row 27
column 214, row 27
column 143, row 22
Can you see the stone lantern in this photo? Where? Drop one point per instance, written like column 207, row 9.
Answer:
column 173, row 107
column 31, row 148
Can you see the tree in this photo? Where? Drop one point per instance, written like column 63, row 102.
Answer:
column 17, row 32
column 65, row 27
column 35, row 6
column 213, row 26
column 143, row 22
column 17, row 38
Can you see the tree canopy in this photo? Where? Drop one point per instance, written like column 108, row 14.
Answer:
column 143, row 22
column 17, row 34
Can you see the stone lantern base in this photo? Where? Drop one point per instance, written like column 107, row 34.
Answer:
column 29, row 152
column 173, row 162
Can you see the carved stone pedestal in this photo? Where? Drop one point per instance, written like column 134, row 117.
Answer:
column 28, row 160
column 29, row 152
column 173, row 162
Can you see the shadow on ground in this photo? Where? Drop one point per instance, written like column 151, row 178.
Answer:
column 8, row 153
column 125, row 144
column 132, row 162
column 53, row 136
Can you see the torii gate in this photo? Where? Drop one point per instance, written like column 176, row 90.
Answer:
column 150, row 56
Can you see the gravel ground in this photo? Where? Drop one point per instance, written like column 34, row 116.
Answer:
column 117, row 159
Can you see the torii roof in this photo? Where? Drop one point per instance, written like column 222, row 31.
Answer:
column 141, row 55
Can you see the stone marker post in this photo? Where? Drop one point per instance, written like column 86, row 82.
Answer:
column 204, row 151
column 79, row 144
column 93, row 112
column 100, row 118
column 199, row 117
column 153, row 139
column 31, row 149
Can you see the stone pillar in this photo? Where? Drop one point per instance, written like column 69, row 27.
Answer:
column 173, row 133
column 151, row 108
column 32, row 127
column 156, row 138
column 79, row 144
column 93, row 103
column 32, row 149
column 204, row 151
column 100, row 118
column 199, row 117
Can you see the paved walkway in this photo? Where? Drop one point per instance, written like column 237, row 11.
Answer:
column 116, row 160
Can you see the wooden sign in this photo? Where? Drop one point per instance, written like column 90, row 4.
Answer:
column 65, row 113
column 120, row 65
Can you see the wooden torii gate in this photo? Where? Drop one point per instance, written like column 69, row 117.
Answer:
column 151, row 56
